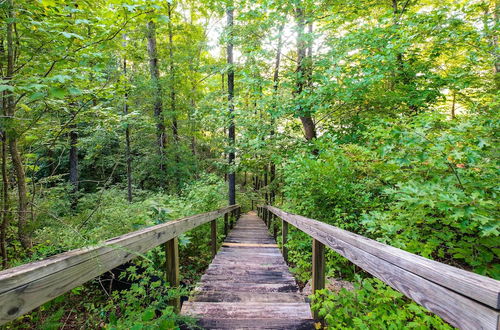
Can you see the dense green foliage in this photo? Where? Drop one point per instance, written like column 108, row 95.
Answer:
column 372, row 305
column 380, row 117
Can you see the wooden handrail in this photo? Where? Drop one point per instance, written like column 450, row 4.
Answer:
column 28, row 286
column 464, row 299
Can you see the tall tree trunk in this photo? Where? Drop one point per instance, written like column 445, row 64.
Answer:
column 493, row 35
column 155, row 78
column 453, row 104
column 73, row 163
column 5, row 179
column 276, row 80
column 5, row 201
column 73, row 156
column 175, row 131
column 230, row 96
column 303, row 72
column 400, row 61
column 266, row 194
column 128, row 155
column 496, row 14
column 17, row 163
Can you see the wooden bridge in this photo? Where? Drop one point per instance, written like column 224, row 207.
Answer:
column 248, row 285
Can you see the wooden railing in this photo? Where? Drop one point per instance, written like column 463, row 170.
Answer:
column 464, row 299
column 28, row 286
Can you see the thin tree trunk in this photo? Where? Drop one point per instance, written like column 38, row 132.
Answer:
column 5, row 202
column 453, row 105
column 175, row 131
column 400, row 61
column 17, row 163
column 495, row 41
column 128, row 155
column 5, row 179
column 276, row 80
column 73, row 163
column 266, row 195
column 230, row 91
column 155, row 78
column 73, row 157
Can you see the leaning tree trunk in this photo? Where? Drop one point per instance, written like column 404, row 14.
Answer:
column 17, row 163
column 230, row 96
column 155, row 78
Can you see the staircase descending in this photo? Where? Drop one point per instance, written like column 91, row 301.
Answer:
column 248, row 285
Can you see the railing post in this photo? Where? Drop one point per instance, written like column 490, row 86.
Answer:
column 226, row 224
column 172, row 269
column 213, row 235
column 269, row 219
column 231, row 222
column 318, row 268
column 275, row 226
column 284, row 239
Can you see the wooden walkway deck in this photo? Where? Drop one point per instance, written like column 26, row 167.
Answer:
column 248, row 285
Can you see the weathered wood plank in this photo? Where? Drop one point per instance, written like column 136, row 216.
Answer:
column 248, row 280
column 270, row 324
column 213, row 237
column 284, row 239
column 247, row 310
column 172, row 268
column 28, row 286
column 274, row 297
column 400, row 270
column 318, row 268
column 249, row 245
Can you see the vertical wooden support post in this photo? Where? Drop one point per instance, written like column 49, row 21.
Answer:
column 275, row 226
column 213, row 235
column 231, row 223
column 269, row 219
column 284, row 239
column 252, row 204
column 318, row 268
column 226, row 224
column 172, row 269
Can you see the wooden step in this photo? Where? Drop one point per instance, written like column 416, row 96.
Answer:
column 247, row 310
column 248, row 285
column 255, row 323
column 274, row 297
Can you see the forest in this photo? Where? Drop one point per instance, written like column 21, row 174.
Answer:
column 380, row 117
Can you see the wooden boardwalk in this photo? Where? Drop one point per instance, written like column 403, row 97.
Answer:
column 248, row 285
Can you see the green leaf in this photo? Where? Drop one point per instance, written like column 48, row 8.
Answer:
column 148, row 315
column 57, row 92
column 36, row 96
column 74, row 91
column 70, row 35
column 6, row 88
